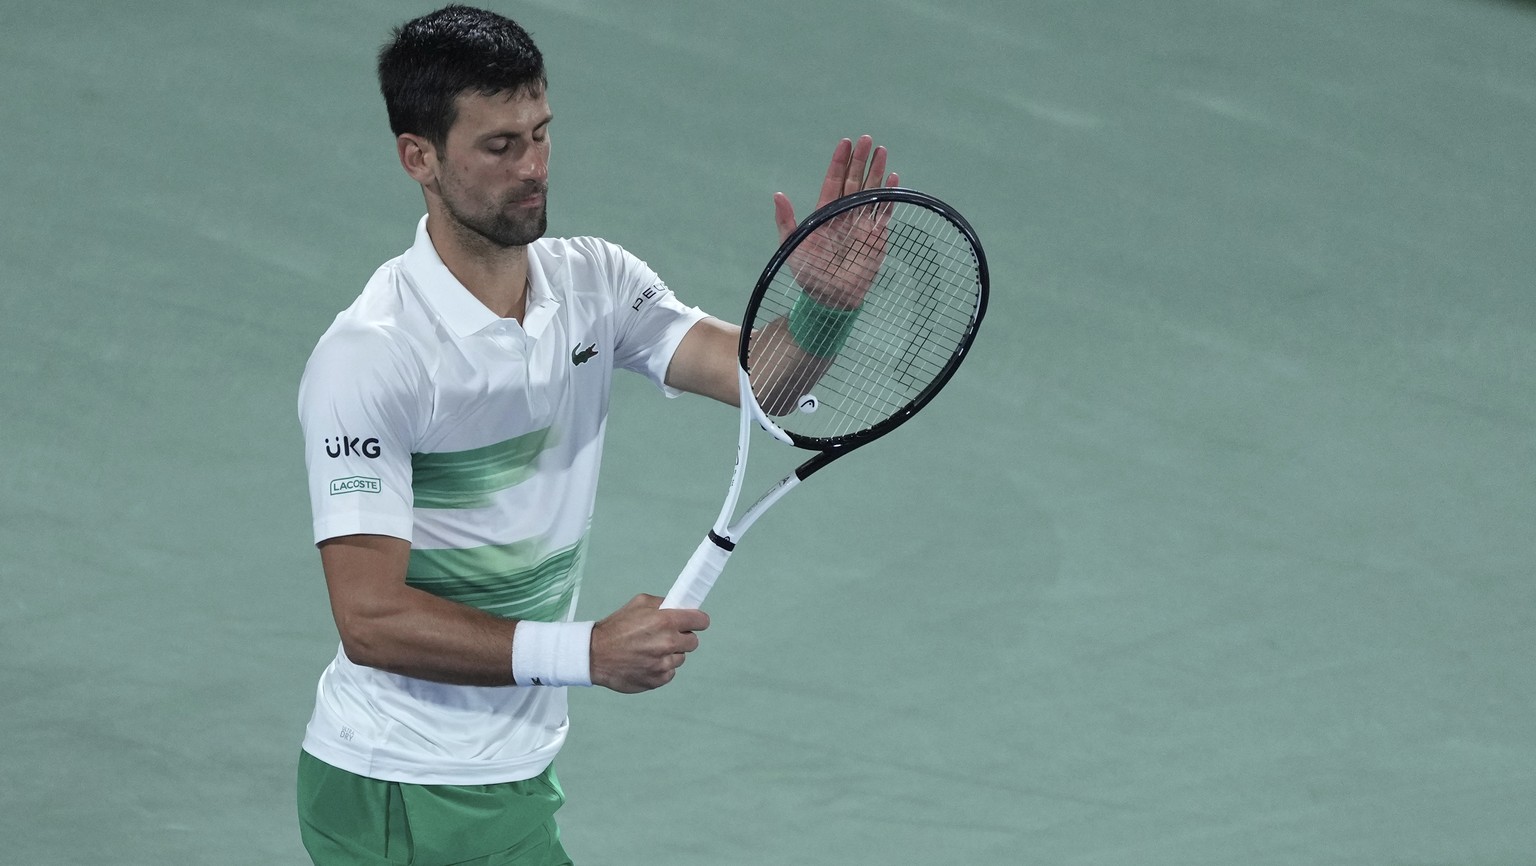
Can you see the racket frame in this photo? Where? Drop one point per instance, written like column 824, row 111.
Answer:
column 834, row 447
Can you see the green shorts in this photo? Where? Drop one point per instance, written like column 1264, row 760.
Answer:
column 349, row 819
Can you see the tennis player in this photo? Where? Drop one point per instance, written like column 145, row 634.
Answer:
column 453, row 419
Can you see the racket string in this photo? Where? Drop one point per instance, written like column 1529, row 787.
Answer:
column 865, row 362
column 920, row 305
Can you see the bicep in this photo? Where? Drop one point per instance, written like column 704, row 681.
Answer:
column 706, row 361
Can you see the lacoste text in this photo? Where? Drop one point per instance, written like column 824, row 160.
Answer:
column 355, row 484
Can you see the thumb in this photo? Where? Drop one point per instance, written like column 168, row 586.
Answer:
column 783, row 215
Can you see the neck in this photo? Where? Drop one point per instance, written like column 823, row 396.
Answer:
column 496, row 276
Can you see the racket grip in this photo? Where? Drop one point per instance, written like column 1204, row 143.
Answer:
column 698, row 575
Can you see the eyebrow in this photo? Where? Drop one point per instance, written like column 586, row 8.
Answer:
column 516, row 135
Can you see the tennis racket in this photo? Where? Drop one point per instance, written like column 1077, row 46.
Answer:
column 862, row 315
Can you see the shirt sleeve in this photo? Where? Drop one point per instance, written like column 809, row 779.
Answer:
column 358, row 406
column 652, row 321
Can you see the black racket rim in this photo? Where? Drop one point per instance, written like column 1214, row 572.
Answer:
column 837, row 445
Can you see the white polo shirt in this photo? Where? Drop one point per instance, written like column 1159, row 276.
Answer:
column 428, row 418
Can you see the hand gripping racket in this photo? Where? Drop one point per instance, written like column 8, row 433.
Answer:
column 864, row 312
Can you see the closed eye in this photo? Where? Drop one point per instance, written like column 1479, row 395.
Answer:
column 499, row 143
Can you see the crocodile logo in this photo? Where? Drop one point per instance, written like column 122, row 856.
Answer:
column 581, row 356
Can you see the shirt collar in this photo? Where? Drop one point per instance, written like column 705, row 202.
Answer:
column 460, row 310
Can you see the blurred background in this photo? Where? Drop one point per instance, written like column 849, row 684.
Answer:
column 1218, row 550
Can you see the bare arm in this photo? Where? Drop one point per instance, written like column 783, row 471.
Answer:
column 705, row 362
column 388, row 625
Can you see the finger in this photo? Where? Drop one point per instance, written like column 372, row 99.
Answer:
column 783, row 215
column 853, row 181
column 686, row 620
column 876, row 169
column 837, row 173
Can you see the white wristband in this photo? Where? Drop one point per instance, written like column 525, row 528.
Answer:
column 552, row 653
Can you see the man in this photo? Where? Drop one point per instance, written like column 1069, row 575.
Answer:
column 453, row 420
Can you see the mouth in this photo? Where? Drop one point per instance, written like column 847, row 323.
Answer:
column 529, row 201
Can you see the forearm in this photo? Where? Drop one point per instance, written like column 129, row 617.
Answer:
column 782, row 371
column 416, row 634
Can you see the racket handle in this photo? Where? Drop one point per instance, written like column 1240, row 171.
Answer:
column 698, row 575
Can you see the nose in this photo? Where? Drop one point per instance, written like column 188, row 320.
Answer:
column 534, row 166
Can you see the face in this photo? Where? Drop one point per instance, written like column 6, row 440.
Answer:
column 492, row 173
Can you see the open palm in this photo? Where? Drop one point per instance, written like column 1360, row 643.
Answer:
column 838, row 262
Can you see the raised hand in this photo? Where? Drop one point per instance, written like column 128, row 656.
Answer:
column 837, row 264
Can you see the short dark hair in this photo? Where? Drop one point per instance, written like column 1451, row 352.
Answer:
column 430, row 60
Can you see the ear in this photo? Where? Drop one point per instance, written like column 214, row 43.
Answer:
column 418, row 158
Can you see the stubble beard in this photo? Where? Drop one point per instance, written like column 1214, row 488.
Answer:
column 507, row 226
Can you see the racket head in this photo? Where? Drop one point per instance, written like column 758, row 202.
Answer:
column 926, row 286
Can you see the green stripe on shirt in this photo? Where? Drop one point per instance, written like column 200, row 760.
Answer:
column 514, row 581
column 468, row 479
